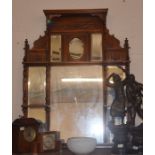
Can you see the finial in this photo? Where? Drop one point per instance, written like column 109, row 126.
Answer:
column 126, row 43
column 26, row 44
column 26, row 48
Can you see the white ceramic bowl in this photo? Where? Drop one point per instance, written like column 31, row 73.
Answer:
column 81, row 145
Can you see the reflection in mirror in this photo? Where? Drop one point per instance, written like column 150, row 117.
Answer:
column 117, row 70
column 110, row 70
column 96, row 46
column 36, row 85
column 111, row 95
column 37, row 113
column 76, row 48
column 77, row 101
column 56, row 48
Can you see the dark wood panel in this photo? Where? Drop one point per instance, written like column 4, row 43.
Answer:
column 78, row 24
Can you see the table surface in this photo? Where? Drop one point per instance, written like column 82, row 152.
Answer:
column 98, row 151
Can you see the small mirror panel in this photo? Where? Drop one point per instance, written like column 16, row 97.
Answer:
column 76, row 48
column 37, row 113
column 56, row 48
column 36, row 85
column 96, row 46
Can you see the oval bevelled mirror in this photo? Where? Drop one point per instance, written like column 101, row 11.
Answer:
column 76, row 48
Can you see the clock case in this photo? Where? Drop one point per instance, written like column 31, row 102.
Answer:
column 21, row 145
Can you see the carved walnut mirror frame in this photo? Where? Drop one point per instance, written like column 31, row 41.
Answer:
column 70, row 24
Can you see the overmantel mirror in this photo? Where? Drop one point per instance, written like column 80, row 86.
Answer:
column 65, row 71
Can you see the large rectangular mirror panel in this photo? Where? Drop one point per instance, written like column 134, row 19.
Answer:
column 36, row 85
column 77, row 101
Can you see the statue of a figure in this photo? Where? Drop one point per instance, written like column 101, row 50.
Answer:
column 134, row 94
column 118, row 105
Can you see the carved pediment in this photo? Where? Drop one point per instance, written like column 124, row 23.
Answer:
column 71, row 23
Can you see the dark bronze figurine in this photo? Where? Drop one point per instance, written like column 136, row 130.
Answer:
column 134, row 94
column 128, row 101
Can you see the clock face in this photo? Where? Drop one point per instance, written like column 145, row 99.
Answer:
column 29, row 134
column 48, row 142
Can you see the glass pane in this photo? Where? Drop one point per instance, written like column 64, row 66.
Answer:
column 37, row 113
column 77, row 101
column 56, row 48
column 36, row 85
column 76, row 48
column 96, row 46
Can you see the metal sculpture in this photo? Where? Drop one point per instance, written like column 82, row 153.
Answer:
column 128, row 101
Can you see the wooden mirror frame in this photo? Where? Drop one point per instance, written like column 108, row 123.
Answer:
column 73, row 23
